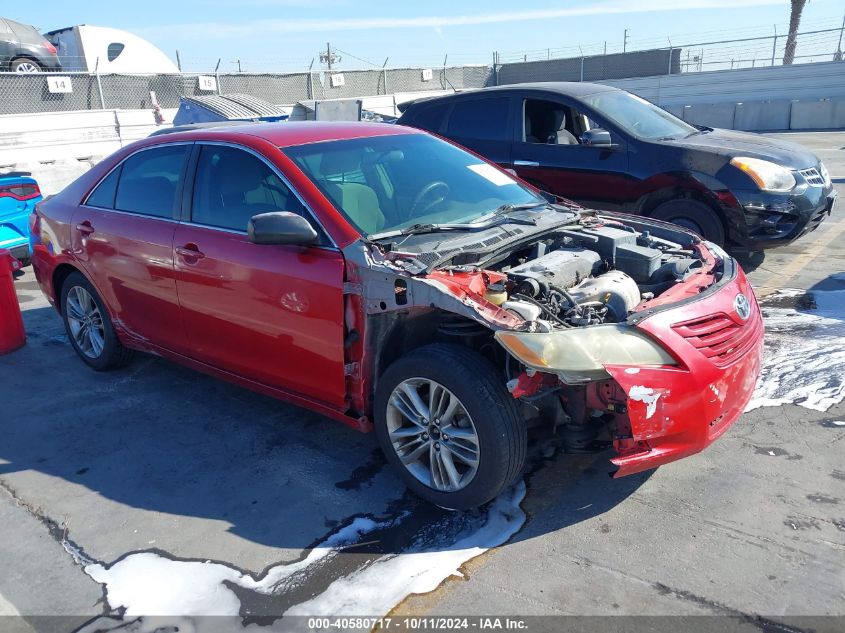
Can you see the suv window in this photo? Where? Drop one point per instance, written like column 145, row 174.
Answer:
column 232, row 185
column 431, row 118
column 482, row 119
column 25, row 33
column 149, row 180
column 5, row 29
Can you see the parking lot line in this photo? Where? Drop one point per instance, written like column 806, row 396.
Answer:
column 788, row 272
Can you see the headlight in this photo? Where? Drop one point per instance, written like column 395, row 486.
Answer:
column 767, row 176
column 824, row 174
column 579, row 355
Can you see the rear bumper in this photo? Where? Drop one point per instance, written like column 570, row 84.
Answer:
column 763, row 220
column 678, row 411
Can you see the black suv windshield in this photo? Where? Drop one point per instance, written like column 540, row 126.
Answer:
column 390, row 183
column 638, row 116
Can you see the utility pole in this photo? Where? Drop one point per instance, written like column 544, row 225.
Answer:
column 625, row 41
column 327, row 57
column 837, row 56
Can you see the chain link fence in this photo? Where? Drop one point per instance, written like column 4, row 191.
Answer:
column 58, row 92
column 44, row 92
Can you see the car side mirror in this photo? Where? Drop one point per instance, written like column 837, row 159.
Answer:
column 597, row 137
column 281, row 227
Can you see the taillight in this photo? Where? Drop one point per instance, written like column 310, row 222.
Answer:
column 50, row 47
column 25, row 191
column 35, row 223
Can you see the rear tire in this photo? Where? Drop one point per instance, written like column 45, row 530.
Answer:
column 22, row 65
column 693, row 215
column 89, row 327
column 468, row 441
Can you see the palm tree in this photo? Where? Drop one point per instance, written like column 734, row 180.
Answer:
column 794, row 22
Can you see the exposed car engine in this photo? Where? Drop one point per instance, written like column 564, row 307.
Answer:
column 589, row 274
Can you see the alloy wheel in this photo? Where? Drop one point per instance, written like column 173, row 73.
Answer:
column 27, row 67
column 85, row 322
column 432, row 434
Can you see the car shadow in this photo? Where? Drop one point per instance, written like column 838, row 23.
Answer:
column 748, row 259
column 164, row 439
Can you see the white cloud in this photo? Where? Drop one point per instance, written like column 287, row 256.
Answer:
column 271, row 26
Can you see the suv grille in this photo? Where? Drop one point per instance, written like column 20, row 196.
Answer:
column 720, row 338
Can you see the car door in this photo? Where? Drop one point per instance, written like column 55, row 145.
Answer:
column 122, row 235
column 549, row 154
column 269, row 313
column 484, row 125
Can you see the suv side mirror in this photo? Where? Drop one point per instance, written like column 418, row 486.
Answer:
column 596, row 137
column 281, row 227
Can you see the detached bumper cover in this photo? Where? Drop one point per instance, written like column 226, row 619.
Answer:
column 678, row 411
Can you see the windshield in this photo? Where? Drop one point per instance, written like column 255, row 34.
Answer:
column 638, row 116
column 388, row 183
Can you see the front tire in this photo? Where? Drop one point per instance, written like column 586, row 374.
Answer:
column 692, row 215
column 89, row 327
column 446, row 422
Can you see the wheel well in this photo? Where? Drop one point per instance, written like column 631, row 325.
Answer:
column 397, row 333
column 31, row 58
column 654, row 200
column 59, row 275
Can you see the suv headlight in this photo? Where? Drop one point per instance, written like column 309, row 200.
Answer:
column 766, row 175
column 824, row 174
column 580, row 354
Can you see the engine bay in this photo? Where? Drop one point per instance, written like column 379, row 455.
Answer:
column 595, row 272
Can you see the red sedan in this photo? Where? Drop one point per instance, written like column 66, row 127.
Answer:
column 391, row 280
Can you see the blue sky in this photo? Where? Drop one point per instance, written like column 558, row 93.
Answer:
column 287, row 34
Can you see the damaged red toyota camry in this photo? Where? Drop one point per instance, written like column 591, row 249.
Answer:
column 391, row 280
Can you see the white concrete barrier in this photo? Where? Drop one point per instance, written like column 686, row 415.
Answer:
column 825, row 114
column 763, row 115
column 710, row 114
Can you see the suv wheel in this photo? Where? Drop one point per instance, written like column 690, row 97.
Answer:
column 89, row 327
column 23, row 65
column 446, row 422
column 692, row 215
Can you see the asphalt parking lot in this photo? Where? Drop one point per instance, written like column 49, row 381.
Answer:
column 158, row 489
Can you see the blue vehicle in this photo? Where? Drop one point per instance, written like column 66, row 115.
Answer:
column 19, row 193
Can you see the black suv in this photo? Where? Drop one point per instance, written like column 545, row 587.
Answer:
column 24, row 50
column 609, row 149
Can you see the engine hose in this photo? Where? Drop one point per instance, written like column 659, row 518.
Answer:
column 545, row 309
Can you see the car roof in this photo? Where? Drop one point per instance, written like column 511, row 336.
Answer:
column 290, row 133
column 567, row 88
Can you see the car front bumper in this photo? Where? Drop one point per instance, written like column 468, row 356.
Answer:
column 760, row 219
column 677, row 411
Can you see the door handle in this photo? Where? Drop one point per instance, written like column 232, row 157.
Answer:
column 85, row 228
column 526, row 163
column 190, row 251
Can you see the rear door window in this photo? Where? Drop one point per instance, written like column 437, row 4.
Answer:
column 480, row 119
column 232, row 185
column 103, row 195
column 431, row 118
column 149, row 181
column 25, row 33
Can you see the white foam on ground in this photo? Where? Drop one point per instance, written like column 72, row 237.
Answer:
column 149, row 584
column 378, row 587
column 804, row 356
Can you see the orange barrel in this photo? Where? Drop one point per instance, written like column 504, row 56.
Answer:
column 12, row 334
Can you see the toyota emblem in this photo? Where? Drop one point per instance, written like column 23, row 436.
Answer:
column 742, row 307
